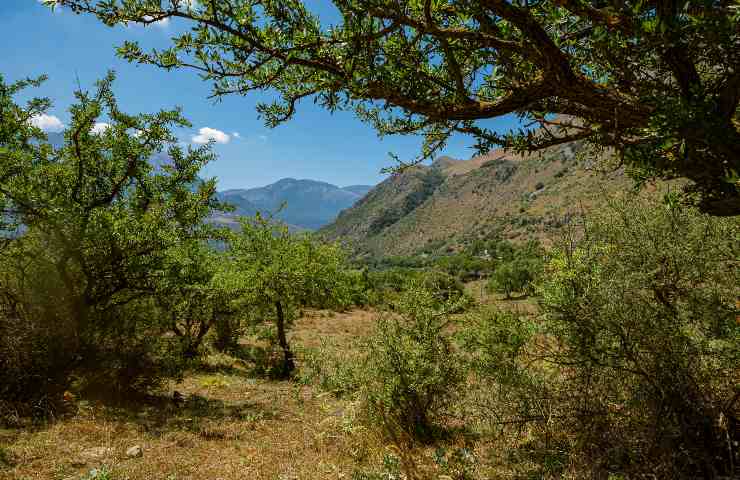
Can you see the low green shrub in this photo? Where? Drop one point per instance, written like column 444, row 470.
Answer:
column 411, row 373
column 331, row 370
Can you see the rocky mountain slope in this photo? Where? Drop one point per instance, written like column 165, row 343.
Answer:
column 446, row 205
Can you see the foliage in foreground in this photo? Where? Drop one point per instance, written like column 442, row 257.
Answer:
column 656, row 81
column 644, row 312
column 89, row 228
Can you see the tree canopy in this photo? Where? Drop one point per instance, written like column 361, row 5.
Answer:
column 98, row 202
column 275, row 272
column 656, row 80
column 93, row 230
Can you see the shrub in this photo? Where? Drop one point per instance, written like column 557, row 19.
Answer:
column 411, row 372
column 513, row 391
column 36, row 352
column 331, row 369
column 446, row 289
column 643, row 310
column 495, row 342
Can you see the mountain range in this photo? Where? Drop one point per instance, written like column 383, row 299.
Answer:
column 302, row 204
column 442, row 207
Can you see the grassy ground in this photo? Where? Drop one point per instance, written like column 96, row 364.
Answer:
column 233, row 424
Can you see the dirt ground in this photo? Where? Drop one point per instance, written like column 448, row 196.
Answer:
column 231, row 424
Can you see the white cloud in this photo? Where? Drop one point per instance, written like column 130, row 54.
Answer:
column 164, row 23
column 47, row 123
column 236, row 135
column 207, row 134
column 100, row 127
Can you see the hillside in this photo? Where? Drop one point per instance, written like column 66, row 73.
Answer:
column 443, row 206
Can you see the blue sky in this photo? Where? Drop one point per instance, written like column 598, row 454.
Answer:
column 336, row 148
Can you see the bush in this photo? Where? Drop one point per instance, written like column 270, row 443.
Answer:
column 513, row 390
column 515, row 275
column 495, row 342
column 411, row 373
column 331, row 369
column 643, row 310
column 446, row 290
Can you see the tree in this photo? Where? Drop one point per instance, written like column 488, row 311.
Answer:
column 192, row 299
column 276, row 272
column 657, row 80
column 517, row 269
column 96, row 220
column 509, row 277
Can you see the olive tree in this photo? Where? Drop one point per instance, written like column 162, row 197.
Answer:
column 656, row 80
column 193, row 301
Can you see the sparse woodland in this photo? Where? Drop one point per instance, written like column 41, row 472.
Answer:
column 610, row 352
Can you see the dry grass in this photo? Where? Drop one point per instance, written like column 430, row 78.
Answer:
column 234, row 425
column 231, row 426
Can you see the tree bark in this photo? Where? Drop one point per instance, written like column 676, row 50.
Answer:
column 288, row 362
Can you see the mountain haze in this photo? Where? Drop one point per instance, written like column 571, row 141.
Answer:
column 306, row 204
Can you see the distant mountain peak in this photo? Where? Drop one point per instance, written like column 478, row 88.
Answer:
column 309, row 204
column 444, row 162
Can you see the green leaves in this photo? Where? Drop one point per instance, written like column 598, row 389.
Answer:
column 268, row 263
column 99, row 199
column 571, row 70
column 643, row 312
column 107, row 223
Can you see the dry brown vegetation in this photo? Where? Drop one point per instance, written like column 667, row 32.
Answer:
column 230, row 424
